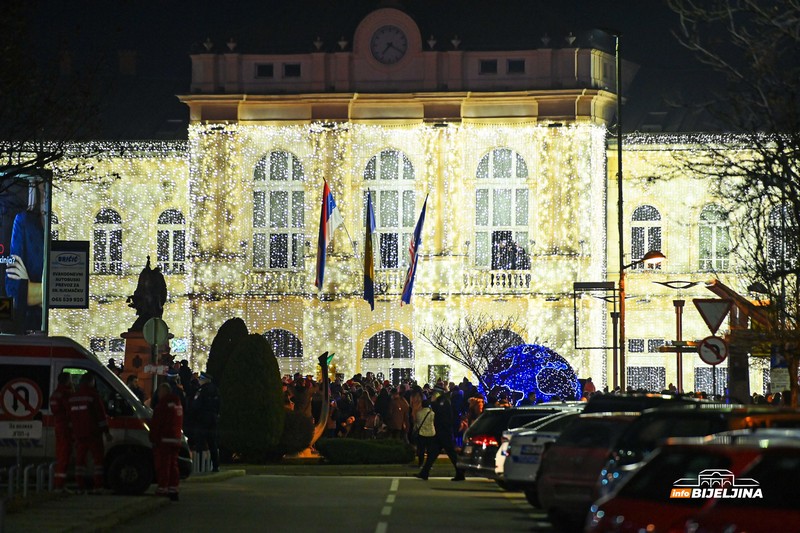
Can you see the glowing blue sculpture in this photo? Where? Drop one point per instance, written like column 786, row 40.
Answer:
column 531, row 368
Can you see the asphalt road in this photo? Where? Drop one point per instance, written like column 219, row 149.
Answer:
column 349, row 504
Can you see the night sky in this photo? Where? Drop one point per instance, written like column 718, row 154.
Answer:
column 164, row 32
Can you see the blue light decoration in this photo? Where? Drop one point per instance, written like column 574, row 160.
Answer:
column 531, row 368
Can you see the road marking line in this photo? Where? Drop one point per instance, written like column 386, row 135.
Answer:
column 390, row 498
column 386, row 511
column 395, row 485
column 382, row 527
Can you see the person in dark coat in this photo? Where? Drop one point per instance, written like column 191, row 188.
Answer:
column 443, row 441
column 204, row 418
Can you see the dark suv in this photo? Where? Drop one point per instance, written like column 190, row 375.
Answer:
column 483, row 437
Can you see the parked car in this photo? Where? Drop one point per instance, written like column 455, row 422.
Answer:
column 567, row 478
column 657, row 425
column 482, row 439
column 658, row 496
column 524, row 449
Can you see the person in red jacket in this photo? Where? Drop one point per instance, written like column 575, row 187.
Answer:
column 165, row 434
column 59, row 408
column 89, row 424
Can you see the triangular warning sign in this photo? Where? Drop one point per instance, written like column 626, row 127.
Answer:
column 713, row 311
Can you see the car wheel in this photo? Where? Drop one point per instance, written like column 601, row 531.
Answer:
column 130, row 473
column 532, row 495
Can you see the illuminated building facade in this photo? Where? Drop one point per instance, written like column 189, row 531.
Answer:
column 511, row 149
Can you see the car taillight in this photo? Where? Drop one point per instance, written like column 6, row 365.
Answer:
column 484, row 440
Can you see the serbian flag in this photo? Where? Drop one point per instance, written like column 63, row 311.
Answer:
column 330, row 219
column 369, row 254
column 413, row 256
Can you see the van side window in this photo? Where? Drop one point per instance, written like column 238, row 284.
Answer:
column 114, row 403
column 27, row 378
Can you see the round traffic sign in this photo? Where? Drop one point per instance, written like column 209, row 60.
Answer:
column 22, row 398
column 713, row 350
column 155, row 331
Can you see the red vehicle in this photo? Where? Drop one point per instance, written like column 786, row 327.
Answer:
column 567, row 479
column 711, row 484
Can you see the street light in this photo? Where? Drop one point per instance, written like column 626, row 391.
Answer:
column 651, row 259
column 680, row 285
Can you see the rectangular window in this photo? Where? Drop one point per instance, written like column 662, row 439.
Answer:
column 279, row 166
column 259, row 209
column 482, row 254
column 265, row 70
column 115, row 243
column 259, row 250
column 278, row 209
column 97, row 344
column 291, row 70
column 388, row 246
column 116, row 345
column 501, row 210
column 503, row 252
column 488, row 66
column 516, row 66
column 179, row 246
column 408, row 209
column 522, row 207
column 482, row 207
column 389, row 209
column 636, row 345
column 278, row 250
column 654, row 344
column 297, row 249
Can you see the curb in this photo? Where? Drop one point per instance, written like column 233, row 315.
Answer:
column 212, row 477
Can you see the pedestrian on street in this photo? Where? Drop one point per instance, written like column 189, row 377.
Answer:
column 397, row 416
column 443, row 441
column 165, row 434
column 59, row 408
column 89, row 425
column 424, row 429
column 204, row 418
column 133, row 384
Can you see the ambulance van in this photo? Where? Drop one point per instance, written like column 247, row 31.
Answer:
column 29, row 367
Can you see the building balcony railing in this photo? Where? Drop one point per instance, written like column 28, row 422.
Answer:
column 497, row 281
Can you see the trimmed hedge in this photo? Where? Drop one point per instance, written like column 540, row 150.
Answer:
column 365, row 452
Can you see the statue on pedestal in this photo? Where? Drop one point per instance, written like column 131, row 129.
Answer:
column 149, row 297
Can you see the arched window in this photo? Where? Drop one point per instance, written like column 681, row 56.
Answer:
column 107, row 242
column 645, row 232
column 389, row 354
column 171, row 242
column 287, row 348
column 389, row 176
column 782, row 239
column 501, row 211
column 713, row 239
column 278, row 212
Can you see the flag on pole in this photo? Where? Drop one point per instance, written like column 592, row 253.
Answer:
column 413, row 256
column 330, row 219
column 369, row 254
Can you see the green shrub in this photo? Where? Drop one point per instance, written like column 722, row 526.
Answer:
column 223, row 345
column 298, row 430
column 252, row 413
column 365, row 452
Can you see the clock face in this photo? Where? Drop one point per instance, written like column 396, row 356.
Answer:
column 388, row 44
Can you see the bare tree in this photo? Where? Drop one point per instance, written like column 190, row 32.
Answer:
column 754, row 48
column 475, row 341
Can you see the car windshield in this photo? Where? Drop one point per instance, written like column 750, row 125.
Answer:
column 494, row 422
column 776, row 475
column 555, row 422
column 656, row 479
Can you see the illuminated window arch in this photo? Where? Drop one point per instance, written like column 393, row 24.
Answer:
column 107, row 242
column 389, row 354
column 288, row 349
column 278, row 212
column 502, row 211
column 714, row 240
column 390, row 177
column 645, row 232
column 171, row 241
column 782, row 239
